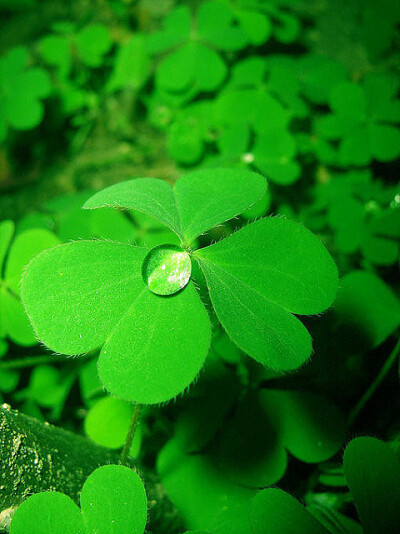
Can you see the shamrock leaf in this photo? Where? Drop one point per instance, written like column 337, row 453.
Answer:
column 132, row 66
column 206, row 498
column 372, row 471
column 21, row 92
column 252, row 447
column 113, row 499
column 195, row 66
column 115, row 295
column 366, row 309
column 274, row 148
column 107, row 423
column 256, row 303
column 273, row 510
column 13, row 258
column 90, row 45
column 363, row 119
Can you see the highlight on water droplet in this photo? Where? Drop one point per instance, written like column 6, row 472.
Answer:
column 166, row 269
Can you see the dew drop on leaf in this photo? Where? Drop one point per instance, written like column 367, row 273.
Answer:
column 166, row 269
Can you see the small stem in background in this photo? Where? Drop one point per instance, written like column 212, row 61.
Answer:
column 31, row 361
column 375, row 384
column 131, row 433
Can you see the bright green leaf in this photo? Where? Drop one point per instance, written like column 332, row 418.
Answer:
column 178, row 327
column 48, row 513
column 113, row 500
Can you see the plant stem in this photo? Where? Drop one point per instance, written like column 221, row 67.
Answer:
column 131, row 433
column 31, row 361
column 375, row 384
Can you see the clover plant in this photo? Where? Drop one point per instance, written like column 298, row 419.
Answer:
column 217, row 292
column 22, row 90
column 113, row 499
column 143, row 307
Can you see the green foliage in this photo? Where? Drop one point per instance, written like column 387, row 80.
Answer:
column 22, row 89
column 14, row 255
column 120, row 275
column 254, row 304
column 215, row 286
column 273, row 510
column 372, row 471
column 363, row 119
column 107, row 423
column 113, row 499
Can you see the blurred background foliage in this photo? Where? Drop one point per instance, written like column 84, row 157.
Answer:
column 93, row 92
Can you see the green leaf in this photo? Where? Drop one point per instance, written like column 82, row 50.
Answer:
column 290, row 272
column 348, row 100
column 312, row 428
column 192, row 65
column 6, row 233
column 385, row 142
column 89, row 287
column 107, row 423
column 209, row 197
column 318, row 74
column 132, row 66
column 215, row 26
column 113, row 499
column 176, row 30
column 14, row 322
column 157, row 348
column 204, row 496
column 256, row 25
column 273, row 510
column 48, row 513
column 147, row 195
column 367, row 309
column 372, row 471
column 198, row 202
column 273, row 155
column 250, row 446
column 93, row 42
column 56, row 51
column 25, row 247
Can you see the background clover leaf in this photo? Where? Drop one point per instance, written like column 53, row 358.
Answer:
column 372, row 471
column 366, row 310
column 107, row 423
column 255, row 304
column 21, row 91
column 273, row 510
column 14, row 255
column 195, row 484
column 363, row 119
column 113, row 499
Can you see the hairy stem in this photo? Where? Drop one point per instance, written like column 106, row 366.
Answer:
column 131, row 434
column 375, row 384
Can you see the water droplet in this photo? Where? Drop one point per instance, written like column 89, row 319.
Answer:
column 166, row 269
